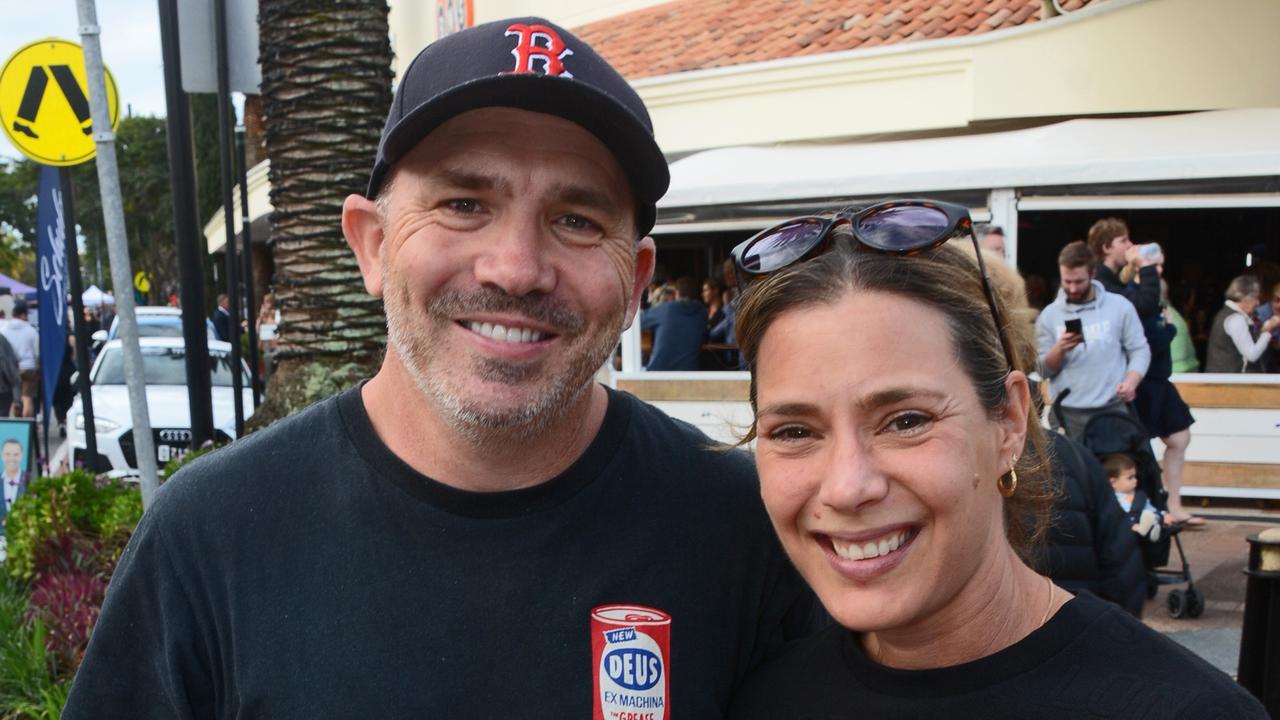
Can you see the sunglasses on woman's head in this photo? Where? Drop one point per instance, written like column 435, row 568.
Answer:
column 897, row 227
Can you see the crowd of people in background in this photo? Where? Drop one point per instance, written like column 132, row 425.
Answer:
column 1242, row 335
column 692, row 325
column 1110, row 340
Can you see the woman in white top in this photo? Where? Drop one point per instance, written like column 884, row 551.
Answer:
column 1235, row 344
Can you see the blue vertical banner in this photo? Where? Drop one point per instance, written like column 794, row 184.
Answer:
column 51, row 256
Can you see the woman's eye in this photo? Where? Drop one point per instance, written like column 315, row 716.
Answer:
column 790, row 433
column 907, row 422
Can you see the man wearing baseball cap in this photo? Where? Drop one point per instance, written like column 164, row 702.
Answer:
column 480, row 530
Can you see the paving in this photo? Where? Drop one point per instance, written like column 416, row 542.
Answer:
column 1217, row 554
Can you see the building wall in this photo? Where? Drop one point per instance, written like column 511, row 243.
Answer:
column 1121, row 56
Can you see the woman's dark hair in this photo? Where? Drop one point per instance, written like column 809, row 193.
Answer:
column 945, row 279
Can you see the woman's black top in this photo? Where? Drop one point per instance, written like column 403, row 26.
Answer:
column 1091, row 660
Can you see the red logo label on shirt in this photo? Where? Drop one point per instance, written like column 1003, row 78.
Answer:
column 538, row 50
column 630, row 663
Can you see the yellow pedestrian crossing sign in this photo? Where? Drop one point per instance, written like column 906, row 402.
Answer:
column 44, row 103
column 142, row 281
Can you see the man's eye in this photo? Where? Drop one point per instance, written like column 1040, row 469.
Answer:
column 463, row 205
column 578, row 223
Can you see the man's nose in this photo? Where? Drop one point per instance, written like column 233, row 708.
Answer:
column 516, row 259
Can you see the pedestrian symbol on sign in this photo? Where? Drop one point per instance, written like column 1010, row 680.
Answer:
column 29, row 109
column 49, row 121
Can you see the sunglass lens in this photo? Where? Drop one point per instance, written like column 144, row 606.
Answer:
column 782, row 245
column 902, row 228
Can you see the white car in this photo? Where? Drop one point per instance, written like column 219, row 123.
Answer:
column 165, row 371
column 154, row 321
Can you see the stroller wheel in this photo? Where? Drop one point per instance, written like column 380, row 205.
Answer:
column 1177, row 603
column 1195, row 603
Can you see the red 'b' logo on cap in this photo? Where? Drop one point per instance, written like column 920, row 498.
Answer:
column 539, row 50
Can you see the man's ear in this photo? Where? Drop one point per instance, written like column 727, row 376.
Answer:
column 362, row 226
column 646, row 258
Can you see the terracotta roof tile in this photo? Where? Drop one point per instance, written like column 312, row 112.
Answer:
column 1023, row 14
column 688, row 35
column 999, row 17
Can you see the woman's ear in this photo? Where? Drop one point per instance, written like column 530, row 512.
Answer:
column 1014, row 418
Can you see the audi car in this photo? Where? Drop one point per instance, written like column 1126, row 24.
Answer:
column 153, row 321
column 165, row 372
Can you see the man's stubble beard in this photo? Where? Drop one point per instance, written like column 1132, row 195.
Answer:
column 474, row 421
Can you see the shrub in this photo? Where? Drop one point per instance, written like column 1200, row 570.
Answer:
column 76, row 504
column 29, row 687
column 176, row 464
column 67, row 594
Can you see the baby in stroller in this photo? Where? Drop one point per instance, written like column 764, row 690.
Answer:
column 1144, row 517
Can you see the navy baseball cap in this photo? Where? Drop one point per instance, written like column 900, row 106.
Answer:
column 528, row 64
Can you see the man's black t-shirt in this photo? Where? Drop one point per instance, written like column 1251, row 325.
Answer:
column 307, row 572
column 1091, row 660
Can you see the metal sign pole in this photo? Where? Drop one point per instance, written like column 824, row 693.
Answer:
column 82, row 333
column 224, row 147
column 118, row 247
column 251, row 307
column 187, row 237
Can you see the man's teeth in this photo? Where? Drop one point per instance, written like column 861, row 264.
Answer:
column 868, row 550
column 504, row 333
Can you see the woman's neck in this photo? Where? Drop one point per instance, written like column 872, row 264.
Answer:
column 1000, row 605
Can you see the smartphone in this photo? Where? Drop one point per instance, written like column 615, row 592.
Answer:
column 1075, row 325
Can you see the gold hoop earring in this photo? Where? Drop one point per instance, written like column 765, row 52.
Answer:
column 1008, row 483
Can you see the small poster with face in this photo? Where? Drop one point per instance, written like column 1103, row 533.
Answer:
column 17, row 463
column 17, row 457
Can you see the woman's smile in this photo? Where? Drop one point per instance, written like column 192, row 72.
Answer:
column 866, row 556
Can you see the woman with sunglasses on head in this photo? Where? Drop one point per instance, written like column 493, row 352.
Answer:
column 903, row 468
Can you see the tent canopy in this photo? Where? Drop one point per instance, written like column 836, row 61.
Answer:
column 1216, row 144
column 17, row 288
column 93, row 297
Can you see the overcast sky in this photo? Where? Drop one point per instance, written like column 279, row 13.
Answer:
column 130, row 46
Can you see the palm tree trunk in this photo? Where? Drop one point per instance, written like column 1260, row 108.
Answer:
column 326, row 87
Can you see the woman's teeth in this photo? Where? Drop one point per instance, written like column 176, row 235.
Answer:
column 503, row 333
column 868, row 550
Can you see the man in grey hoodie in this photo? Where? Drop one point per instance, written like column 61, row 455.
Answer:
column 1103, row 362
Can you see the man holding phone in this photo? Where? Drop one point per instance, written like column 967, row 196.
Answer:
column 1102, row 373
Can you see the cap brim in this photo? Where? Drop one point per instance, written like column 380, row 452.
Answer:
column 620, row 130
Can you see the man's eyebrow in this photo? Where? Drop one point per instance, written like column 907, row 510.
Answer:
column 567, row 192
column 583, row 195
column 468, row 180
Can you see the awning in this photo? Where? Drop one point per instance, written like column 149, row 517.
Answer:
column 1193, row 146
column 215, row 232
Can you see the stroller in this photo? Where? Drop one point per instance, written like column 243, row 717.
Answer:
column 1118, row 432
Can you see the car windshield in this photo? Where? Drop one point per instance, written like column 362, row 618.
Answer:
column 155, row 329
column 163, row 366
